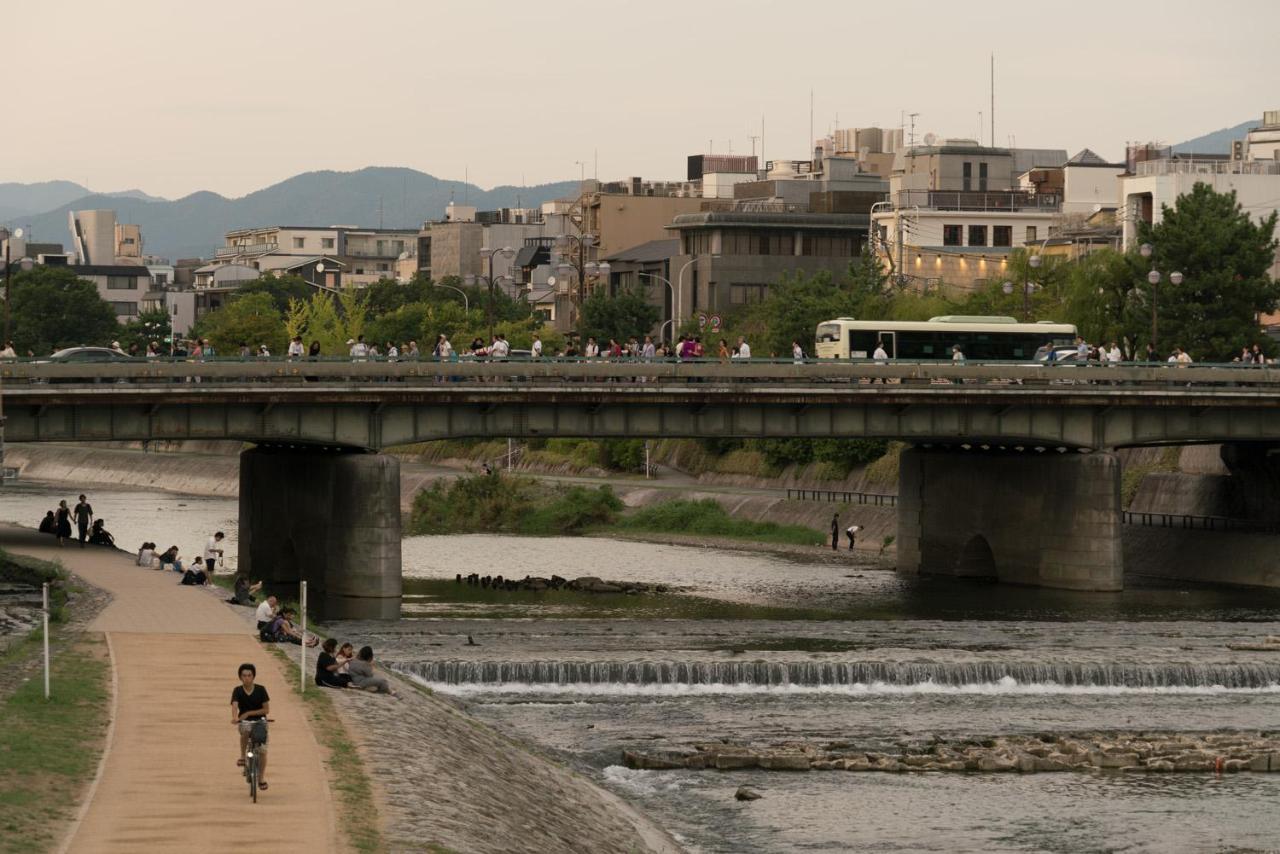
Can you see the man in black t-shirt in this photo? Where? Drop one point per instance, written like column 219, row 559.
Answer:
column 84, row 516
column 248, row 703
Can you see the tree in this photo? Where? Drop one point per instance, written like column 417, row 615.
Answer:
column 1224, row 257
column 252, row 319
column 281, row 289
column 619, row 317
column 53, row 308
column 401, row 325
column 146, row 327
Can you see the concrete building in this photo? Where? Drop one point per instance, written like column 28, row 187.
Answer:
column 357, row 256
column 97, row 239
column 956, row 211
column 125, row 286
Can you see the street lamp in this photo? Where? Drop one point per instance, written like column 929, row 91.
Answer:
column 505, row 252
column 563, row 244
column 23, row 264
column 1146, row 250
column 677, row 293
column 1027, row 287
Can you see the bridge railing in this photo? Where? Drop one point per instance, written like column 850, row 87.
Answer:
column 818, row 373
column 834, row 496
column 1190, row 522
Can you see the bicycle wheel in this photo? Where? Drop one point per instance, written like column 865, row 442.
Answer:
column 251, row 771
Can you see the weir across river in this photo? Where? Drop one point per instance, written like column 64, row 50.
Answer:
column 1010, row 476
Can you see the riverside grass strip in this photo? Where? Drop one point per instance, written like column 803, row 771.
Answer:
column 351, row 788
column 49, row 750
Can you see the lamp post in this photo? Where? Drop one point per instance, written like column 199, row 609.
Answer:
column 583, row 267
column 466, row 303
column 23, row 264
column 1146, row 250
column 1028, row 288
column 506, row 252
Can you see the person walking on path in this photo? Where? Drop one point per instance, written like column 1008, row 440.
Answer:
column 835, row 532
column 63, row 523
column 84, row 517
column 250, row 703
column 852, row 533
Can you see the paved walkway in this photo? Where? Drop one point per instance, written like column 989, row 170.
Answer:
column 170, row 782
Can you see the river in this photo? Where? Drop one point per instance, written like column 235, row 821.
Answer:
column 877, row 659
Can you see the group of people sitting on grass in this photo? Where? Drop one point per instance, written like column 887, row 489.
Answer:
column 338, row 666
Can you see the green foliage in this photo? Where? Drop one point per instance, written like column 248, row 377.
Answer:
column 146, row 327
column 619, row 317
column 281, row 289
column 510, row 504
column 1224, row 256
column 708, row 518
column 401, row 325
column 53, row 308
column 252, row 319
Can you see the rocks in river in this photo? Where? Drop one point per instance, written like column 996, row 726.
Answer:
column 745, row 793
column 1099, row 753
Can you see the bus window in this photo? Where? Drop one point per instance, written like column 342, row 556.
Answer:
column 861, row 344
column 889, row 340
column 828, row 332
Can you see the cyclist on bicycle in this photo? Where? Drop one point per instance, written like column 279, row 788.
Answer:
column 248, row 703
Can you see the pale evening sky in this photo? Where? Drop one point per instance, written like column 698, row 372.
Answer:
column 173, row 96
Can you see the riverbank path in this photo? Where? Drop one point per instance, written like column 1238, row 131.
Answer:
column 169, row 781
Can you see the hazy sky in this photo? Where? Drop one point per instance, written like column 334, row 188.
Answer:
column 174, row 96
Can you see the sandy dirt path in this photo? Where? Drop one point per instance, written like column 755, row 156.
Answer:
column 169, row 781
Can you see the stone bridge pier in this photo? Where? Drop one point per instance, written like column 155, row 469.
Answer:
column 1040, row 519
column 327, row 517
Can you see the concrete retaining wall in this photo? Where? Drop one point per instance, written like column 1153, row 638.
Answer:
column 1211, row 557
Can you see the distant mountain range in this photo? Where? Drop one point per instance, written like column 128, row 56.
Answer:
column 194, row 225
column 1218, row 142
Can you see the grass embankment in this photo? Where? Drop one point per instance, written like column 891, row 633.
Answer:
column 508, row 504
column 49, row 749
column 348, row 778
column 1133, row 474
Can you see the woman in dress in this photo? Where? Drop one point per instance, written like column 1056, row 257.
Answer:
column 63, row 518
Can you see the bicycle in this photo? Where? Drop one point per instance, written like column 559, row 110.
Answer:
column 257, row 738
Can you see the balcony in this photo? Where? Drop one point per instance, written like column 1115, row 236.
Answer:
column 245, row 249
column 1155, row 168
column 1002, row 201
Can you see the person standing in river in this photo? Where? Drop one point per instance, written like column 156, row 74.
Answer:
column 835, row 533
column 84, row 518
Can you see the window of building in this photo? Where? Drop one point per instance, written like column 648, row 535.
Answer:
column 382, row 267
column 967, row 181
column 1031, row 234
column 125, row 309
column 744, row 294
column 977, row 235
column 120, row 283
column 128, row 241
column 1001, row 235
column 953, row 235
column 697, row 243
column 299, row 242
column 326, row 243
column 982, row 177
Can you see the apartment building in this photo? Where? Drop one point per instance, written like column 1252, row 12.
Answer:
column 97, row 239
column 351, row 256
column 125, row 286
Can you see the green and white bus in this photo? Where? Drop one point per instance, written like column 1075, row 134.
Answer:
column 979, row 338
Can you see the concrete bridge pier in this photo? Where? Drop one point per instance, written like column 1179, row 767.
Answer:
column 1040, row 519
column 329, row 517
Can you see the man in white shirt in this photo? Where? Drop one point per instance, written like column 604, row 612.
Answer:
column 500, row 348
column 1114, row 356
column 880, row 355
column 213, row 552
column 536, row 350
column 296, row 349
column 743, row 351
column 359, row 349
column 266, row 612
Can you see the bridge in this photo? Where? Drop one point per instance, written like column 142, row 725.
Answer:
column 1010, row 476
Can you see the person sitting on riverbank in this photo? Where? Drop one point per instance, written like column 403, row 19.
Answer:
column 196, row 575
column 363, row 675
column 146, row 554
column 346, row 655
column 265, row 614
column 327, row 666
column 170, row 560
column 100, row 536
column 282, row 630
column 242, row 594
column 48, row 525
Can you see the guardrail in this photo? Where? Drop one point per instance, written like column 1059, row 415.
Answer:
column 831, row 496
column 888, row 377
column 1192, row 522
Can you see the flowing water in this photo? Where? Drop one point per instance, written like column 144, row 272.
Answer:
column 877, row 660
